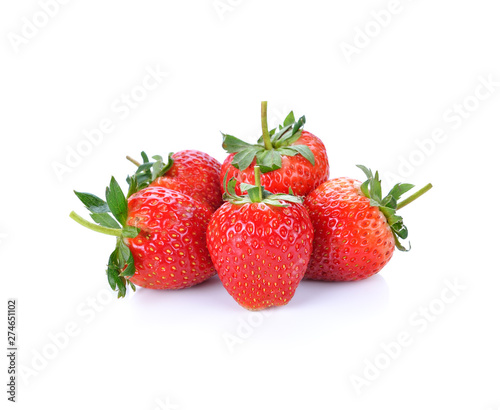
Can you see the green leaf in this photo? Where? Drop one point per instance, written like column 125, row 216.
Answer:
column 269, row 160
column 224, row 182
column 398, row 228
column 372, row 189
column 400, row 189
column 144, row 157
column 402, row 232
column 112, row 274
column 123, row 253
column 130, row 231
column 289, row 133
column 144, row 167
column 258, row 194
column 157, row 168
column 116, row 201
column 105, row 220
column 401, row 247
column 113, row 271
column 244, row 158
column 288, row 151
column 299, row 124
column 284, row 132
column 286, row 197
column 255, row 194
column 122, row 287
column 305, row 151
column 367, row 171
column 160, row 168
column 232, row 144
column 275, row 202
column 133, row 185
column 130, row 269
column 143, row 180
column 289, row 120
column 266, row 193
column 391, row 216
column 231, row 187
column 376, row 188
column 390, row 202
column 121, row 261
column 365, row 188
column 245, row 187
column 147, row 172
column 394, row 221
column 92, row 202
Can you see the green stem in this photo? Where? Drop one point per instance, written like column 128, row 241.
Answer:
column 416, row 195
column 101, row 229
column 265, row 129
column 258, row 184
column 133, row 161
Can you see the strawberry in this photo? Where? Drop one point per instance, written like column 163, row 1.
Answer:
column 161, row 237
column 355, row 230
column 191, row 172
column 260, row 245
column 289, row 158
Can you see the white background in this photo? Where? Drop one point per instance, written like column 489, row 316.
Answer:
column 374, row 107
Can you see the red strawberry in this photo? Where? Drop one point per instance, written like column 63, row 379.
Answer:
column 355, row 230
column 199, row 173
column 161, row 237
column 260, row 245
column 290, row 158
column 170, row 251
column 191, row 172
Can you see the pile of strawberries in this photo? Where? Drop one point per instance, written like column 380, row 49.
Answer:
column 263, row 220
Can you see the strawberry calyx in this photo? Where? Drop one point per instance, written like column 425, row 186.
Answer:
column 147, row 172
column 110, row 218
column 271, row 146
column 388, row 205
column 256, row 193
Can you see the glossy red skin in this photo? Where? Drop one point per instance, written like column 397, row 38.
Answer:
column 260, row 251
column 352, row 240
column 170, row 252
column 296, row 172
column 196, row 174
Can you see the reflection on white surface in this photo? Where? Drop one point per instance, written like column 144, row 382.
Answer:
column 354, row 297
column 317, row 309
column 367, row 294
